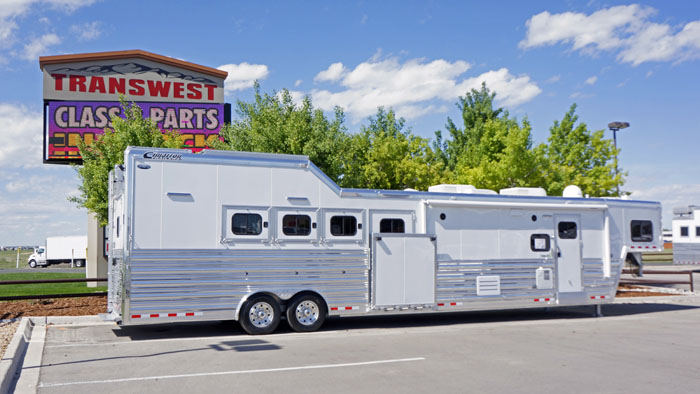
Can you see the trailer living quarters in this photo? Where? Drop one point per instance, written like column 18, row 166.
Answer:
column 254, row 237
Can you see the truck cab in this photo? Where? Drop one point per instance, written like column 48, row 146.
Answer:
column 38, row 257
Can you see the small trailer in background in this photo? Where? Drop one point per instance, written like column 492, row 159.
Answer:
column 67, row 249
column 686, row 234
column 261, row 237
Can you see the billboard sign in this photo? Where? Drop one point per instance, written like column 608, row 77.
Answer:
column 81, row 93
column 69, row 121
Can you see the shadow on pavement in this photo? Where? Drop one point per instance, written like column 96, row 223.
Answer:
column 231, row 328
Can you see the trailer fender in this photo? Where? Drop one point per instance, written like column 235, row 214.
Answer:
column 247, row 296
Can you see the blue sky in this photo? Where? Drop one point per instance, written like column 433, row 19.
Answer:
column 634, row 62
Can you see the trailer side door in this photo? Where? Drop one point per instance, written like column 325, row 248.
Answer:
column 568, row 252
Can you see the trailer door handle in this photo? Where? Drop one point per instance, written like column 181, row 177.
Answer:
column 558, row 252
column 174, row 194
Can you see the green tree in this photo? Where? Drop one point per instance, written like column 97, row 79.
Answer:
column 107, row 151
column 477, row 109
column 385, row 156
column 275, row 124
column 503, row 158
column 577, row 156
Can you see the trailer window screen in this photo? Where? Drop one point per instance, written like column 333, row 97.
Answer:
column 391, row 226
column 567, row 230
column 684, row 231
column 539, row 242
column 296, row 225
column 246, row 224
column 641, row 230
column 343, row 226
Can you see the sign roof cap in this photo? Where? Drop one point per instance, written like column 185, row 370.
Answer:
column 134, row 53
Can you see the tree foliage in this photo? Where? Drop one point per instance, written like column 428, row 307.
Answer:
column 275, row 124
column 577, row 156
column 385, row 156
column 502, row 158
column 107, row 151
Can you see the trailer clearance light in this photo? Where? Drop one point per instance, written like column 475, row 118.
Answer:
column 156, row 315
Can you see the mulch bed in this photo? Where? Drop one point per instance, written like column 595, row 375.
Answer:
column 53, row 307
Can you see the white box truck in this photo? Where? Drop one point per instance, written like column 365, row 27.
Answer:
column 58, row 250
column 260, row 237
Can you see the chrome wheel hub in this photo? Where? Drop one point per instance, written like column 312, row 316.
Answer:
column 261, row 314
column 307, row 312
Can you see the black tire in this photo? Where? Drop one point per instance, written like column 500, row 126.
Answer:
column 32, row 264
column 79, row 263
column 306, row 313
column 260, row 315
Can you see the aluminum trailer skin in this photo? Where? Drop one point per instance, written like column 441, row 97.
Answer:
column 254, row 237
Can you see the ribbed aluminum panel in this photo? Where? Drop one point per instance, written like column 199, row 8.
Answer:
column 215, row 281
column 456, row 280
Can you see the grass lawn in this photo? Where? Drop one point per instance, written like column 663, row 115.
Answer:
column 8, row 258
column 45, row 288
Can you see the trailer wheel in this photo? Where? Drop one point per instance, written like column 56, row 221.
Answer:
column 32, row 264
column 260, row 315
column 306, row 313
column 79, row 263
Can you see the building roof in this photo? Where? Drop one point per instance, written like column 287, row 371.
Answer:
column 135, row 53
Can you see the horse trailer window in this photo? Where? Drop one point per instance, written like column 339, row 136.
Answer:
column 642, row 231
column 567, row 230
column 539, row 242
column 391, row 226
column 117, row 227
column 343, row 226
column 246, row 224
column 697, row 231
column 684, row 231
column 296, row 225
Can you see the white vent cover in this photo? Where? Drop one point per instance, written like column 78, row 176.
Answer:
column 461, row 189
column 524, row 191
column 572, row 191
column 488, row 285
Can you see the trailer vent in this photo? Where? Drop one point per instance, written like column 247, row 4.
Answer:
column 458, row 189
column 488, row 285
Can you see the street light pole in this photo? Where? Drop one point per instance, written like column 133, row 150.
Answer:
column 614, row 127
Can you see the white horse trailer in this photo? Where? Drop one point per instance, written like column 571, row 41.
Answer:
column 686, row 234
column 255, row 237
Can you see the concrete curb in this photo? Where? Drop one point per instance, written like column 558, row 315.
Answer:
column 14, row 354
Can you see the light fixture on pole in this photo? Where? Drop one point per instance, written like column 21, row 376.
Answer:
column 614, row 127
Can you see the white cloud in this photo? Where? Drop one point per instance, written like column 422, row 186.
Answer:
column 243, row 76
column 11, row 10
column 553, row 79
column 21, row 139
column 592, row 80
column 411, row 87
column 333, row 73
column 87, row 31
column 297, row 83
column 625, row 30
column 364, row 19
column 38, row 46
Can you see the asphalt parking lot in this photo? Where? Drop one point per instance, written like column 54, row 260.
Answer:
column 646, row 346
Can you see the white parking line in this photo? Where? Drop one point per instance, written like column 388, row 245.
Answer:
column 250, row 371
